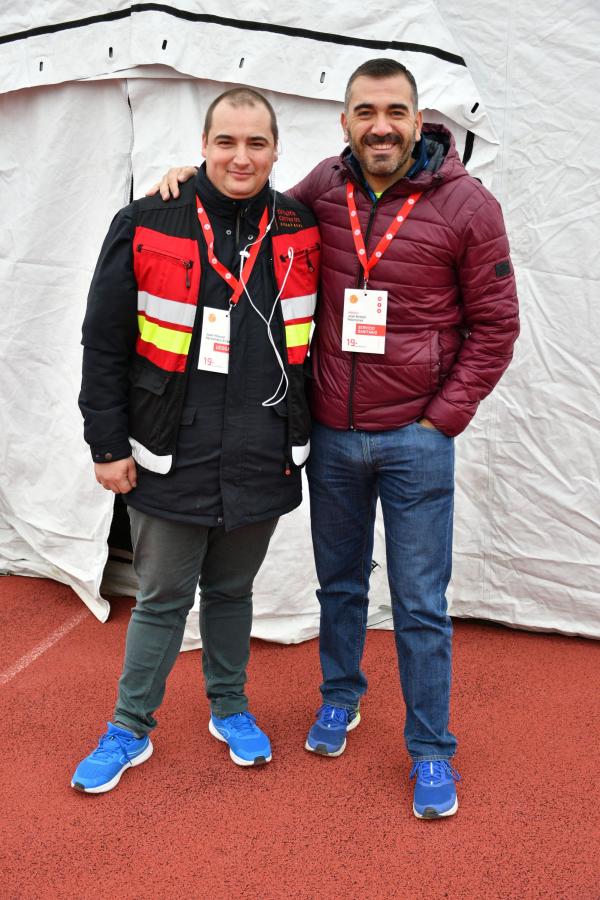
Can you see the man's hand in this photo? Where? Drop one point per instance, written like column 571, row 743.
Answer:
column 168, row 186
column 427, row 424
column 119, row 477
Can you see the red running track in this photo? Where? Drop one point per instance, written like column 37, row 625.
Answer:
column 190, row 824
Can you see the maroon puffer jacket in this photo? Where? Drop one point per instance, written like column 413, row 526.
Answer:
column 452, row 314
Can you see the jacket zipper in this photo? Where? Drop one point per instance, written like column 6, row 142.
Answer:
column 305, row 252
column 359, row 280
column 186, row 263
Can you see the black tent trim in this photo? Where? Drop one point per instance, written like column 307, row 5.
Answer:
column 242, row 24
column 469, row 141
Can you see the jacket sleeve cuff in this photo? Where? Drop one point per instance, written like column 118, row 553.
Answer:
column 111, row 454
column 448, row 418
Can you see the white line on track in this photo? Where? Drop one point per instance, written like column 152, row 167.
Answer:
column 50, row 641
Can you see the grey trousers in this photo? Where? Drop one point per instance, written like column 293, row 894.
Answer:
column 169, row 559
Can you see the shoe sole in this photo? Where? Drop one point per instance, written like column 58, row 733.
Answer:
column 109, row 785
column 322, row 750
column 258, row 761
column 430, row 812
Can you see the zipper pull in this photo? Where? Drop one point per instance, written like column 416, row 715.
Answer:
column 188, row 265
column 139, row 248
column 287, row 469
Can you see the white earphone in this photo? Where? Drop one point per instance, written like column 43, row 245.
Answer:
column 274, row 399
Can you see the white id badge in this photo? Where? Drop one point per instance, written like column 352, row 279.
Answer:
column 214, row 341
column 363, row 328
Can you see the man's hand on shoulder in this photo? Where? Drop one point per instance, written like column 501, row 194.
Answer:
column 120, row 477
column 168, row 186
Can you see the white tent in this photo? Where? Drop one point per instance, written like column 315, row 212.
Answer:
column 92, row 97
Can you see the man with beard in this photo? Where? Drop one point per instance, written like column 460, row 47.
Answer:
column 416, row 321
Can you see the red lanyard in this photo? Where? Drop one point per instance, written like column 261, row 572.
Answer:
column 400, row 217
column 238, row 286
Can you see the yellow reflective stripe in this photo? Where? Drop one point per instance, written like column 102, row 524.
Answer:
column 164, row 338
column 297, row 335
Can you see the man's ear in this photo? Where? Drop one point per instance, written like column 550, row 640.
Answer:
column 344, row 122
column 204, row 143
column 276, row 153
column 419, row 126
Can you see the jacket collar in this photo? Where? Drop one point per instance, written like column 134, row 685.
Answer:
column 219, row 206
column 437, row 161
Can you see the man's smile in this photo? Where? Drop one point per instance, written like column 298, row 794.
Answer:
column 385, row 143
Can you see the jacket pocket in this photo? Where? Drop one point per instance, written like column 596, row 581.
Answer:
column 165, row 257
column 297, row 263
column 450, row 342
column 149, row 378
column 188, row 415
column 435, row 360
column 165, row 266
column 307, row 258
column 155, row 399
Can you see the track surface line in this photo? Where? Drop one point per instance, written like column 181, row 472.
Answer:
column 38, row 651
column 197, row 827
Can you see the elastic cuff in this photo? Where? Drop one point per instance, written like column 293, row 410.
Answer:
column 348, row 707
column 111, row 454
column 105, row 458
column 430, row 758
column 220, row 713
column 136, row 730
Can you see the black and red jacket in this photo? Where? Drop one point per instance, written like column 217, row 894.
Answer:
column 141, row 385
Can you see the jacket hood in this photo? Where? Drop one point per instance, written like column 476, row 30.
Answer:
column 444, row 161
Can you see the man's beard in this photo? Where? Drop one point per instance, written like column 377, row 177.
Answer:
column 384, row 166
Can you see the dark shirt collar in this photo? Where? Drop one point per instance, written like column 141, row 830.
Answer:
column 217, row 204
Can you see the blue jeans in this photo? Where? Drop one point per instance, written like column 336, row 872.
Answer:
column 411, row 470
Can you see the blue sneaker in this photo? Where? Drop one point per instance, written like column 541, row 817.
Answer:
column 248, row 745
column 117, row 750
column 328, row 735
column 435, row 794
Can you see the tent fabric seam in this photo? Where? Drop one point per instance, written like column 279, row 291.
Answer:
column 243, row 24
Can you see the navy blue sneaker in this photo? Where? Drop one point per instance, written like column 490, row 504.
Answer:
column 328, row 735
column 248, row 745
column 117, row 750
column 435, row 793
